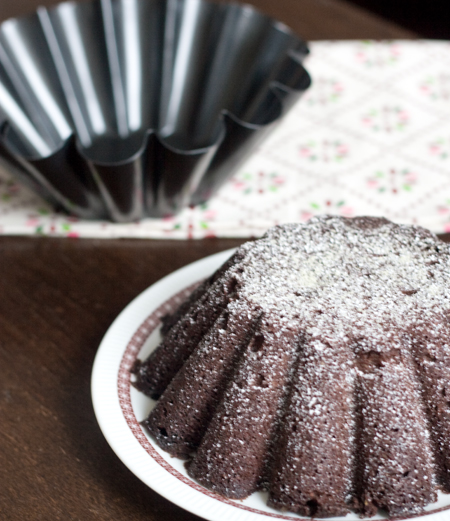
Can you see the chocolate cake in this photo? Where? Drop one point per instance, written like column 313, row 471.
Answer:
column 315, row 364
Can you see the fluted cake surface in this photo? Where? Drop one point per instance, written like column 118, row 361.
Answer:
column 314, row 364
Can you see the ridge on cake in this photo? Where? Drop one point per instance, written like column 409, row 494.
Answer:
column 313, row 364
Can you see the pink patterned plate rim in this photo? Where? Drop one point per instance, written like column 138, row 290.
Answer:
column 119, row 407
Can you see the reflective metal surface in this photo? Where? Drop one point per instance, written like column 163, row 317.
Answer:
column 123, row 109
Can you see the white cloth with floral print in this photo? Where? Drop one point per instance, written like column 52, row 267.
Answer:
column 371, row 137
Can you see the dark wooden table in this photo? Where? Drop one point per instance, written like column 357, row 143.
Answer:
column 58, row 297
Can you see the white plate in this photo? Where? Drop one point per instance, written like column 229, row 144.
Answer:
column 119, row 407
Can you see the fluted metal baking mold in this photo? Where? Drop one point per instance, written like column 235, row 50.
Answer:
column 122, row 109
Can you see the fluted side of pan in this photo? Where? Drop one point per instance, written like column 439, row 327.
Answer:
column 122, row 109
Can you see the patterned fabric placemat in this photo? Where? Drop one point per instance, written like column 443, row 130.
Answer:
column 371, row 137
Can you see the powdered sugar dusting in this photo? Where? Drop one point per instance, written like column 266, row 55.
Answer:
column 339, row 397
column 356, row 290
column 331, row 274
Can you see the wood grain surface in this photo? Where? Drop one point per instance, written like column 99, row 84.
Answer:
column 58, row 297
column 311, row 19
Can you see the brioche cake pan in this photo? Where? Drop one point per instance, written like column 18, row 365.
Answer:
column 125, row 109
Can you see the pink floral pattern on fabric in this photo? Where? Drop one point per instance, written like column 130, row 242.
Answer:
column 258, row 183
column 372, row 55
column 371, row 137
column 440, row 148
column 394, row 180
column 386, row 119
column 325, row 150
column 327, row 206
column 326, row 91
column 437, row 87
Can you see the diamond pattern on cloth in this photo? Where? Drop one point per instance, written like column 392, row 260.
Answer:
column 371, row 137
